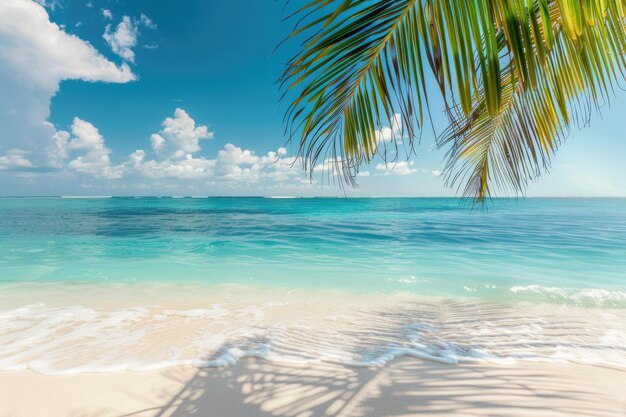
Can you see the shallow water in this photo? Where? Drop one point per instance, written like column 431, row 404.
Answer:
column 535, row 279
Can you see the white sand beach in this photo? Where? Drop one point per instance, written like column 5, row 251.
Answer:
column 257, row 388
column 277, row 352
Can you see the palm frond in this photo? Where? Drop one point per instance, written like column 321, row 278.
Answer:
column 513, row 66
column 354, row 72
column 503, row 152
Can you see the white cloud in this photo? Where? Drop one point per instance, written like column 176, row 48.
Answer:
column 242, row 165
column 87, row 141
column 157, row 142
column 106, row 13
column 189, row 168
column 15, row 159
column 51, row 4
column 123, row 39
column 232, row 155
column 232, row 164
column 82, row 152
column 180, row 138
column 393, row 132
column 147, row 22
column 180, row 135
column 332, row 166
column 42, row 54
column 397, row 168
column 58, row 153
column 35, row 56
column 437, row 173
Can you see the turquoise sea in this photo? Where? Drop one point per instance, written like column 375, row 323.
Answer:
column 527, row 259
column 428, row 246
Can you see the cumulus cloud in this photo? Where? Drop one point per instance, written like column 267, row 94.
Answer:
column 35, row 56
column 123, row 39
column 176, row 144
column 437, row 173
column 397, row 168
column 181, row 135
column 236, row 164
column 86, row 145
column 329, row 165
column 82, row 150
column 393, row 132
column 15, row 160
column 106, row 13
column 42, row 55
column 157, row 142
column 232, row 164
column 332, row 166
column 188, row 168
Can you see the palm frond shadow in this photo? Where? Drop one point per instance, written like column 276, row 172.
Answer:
column 260, row 388
column 405, row 386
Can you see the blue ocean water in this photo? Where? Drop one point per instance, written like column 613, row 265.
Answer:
column 110, row 284
column 556, row 250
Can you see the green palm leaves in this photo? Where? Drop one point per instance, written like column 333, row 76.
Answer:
column 513, row 75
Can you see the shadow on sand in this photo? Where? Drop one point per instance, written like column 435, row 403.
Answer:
column 406, row 387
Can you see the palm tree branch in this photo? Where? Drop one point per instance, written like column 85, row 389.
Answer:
column 513, row 74
column 510, row 149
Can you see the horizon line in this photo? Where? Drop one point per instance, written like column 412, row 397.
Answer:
column 278, row 197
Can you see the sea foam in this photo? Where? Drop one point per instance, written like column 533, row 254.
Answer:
column 587, row 297
column 358, row 330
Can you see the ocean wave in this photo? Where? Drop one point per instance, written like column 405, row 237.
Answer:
column 355, row 330
column 85, row 197
column 585, row 297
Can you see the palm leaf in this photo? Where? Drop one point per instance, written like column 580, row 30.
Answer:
column 496, row 63
column 353, row 73
column 502, row 153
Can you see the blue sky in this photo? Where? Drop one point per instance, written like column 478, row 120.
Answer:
column 147, row 97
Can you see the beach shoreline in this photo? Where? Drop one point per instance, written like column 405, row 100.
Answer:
column 258, row 388
column 240, row 307
column 75, row 329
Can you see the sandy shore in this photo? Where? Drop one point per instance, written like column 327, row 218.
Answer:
column 404, row 387
column 60, row 329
